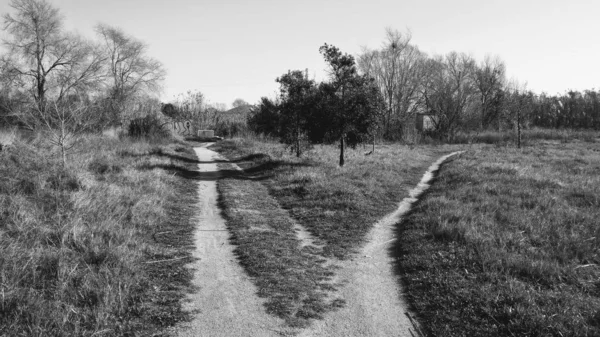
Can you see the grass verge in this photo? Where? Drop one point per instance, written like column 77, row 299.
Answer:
column 292, row 278
column 506, row 243
column 338, row 206
column 96, row 248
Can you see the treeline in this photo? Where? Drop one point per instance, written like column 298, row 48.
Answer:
column 463, row 94
column 458, row 92
column 572, row 110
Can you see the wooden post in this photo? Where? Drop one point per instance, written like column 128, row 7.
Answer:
column 519, row 128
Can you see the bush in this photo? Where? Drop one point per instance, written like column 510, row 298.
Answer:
column 147, row 127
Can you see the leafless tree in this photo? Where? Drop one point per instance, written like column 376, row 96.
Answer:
column 396, row 68
column 449, row 91
column 63, row 121
column 519, row 105
column 42, row 58
column 130, row 70
column 490, row 79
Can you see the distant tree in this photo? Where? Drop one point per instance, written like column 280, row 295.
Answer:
column 352, row 99
column 490, row 79
column 43, row 59
column 449, row 92
column 130, row 70
column 520, row 105
column 397, row 68
column 239, row 102
column 265, row 118
column 296, row 92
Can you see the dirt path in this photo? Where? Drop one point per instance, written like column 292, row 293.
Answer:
column 374, row 305
column 225, row 303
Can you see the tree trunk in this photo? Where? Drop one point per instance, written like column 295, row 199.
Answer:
column 63, row 144
column 64, row 155
column 297, row 141
column 373, row 151
column 342, row 151
column 519, row 129
column 41, row 93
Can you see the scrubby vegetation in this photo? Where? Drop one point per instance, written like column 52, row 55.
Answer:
column 506, row 243
column 97, row 247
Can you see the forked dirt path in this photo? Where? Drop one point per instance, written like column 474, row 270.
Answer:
column 225, row 302
column 374, row 305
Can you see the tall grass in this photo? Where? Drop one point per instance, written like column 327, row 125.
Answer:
column 506, row 243
column 529, row 136
column 75, row 242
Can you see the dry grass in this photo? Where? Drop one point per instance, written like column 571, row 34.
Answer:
column 77, row 243
column 506, row 243
column 530, row 136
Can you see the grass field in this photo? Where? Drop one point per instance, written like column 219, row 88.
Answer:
column 97, row 248
column 338, row 206
column 507, row 243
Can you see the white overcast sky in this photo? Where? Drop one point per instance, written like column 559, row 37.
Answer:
column 233, row 48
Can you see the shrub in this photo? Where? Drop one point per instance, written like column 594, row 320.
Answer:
column 147, row 127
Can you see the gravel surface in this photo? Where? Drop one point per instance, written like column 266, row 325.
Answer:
column 225, row 302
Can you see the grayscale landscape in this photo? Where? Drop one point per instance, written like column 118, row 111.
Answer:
column 370, row 185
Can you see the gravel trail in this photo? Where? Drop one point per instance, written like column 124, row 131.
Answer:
column 225, row 302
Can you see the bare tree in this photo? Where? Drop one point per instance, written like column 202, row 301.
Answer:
column 490, row 79
column 63, row 121
column 130, row 70
column 43, row 59
column 519, row 104
column 449, row 91
column 396, row 68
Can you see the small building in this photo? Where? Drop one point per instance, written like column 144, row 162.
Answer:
column 426, row 122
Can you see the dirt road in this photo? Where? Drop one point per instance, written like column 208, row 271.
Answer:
column 225, row 301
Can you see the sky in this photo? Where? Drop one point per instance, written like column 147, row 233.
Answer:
column 232, row 49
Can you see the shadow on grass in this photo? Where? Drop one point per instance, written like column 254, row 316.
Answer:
column 260, row 172
column 188, row 159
